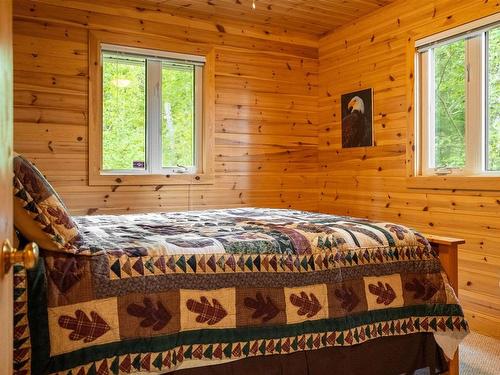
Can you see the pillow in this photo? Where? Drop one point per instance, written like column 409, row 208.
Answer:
column 39, row 213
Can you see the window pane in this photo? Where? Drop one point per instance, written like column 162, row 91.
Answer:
column 449, row 76
column 178, row 115
column 124, row 112
column 493, row 128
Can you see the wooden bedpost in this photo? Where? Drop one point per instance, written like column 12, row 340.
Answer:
column 447, row 249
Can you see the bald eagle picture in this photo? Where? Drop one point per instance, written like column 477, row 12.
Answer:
column 357, row 121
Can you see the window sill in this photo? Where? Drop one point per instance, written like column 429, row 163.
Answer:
column 151, row 179
column 481, row 182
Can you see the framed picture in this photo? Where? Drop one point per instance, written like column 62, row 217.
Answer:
column 357, row 119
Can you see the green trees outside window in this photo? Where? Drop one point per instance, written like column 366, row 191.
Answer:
column 177, row 115
column 493, row 117
column 123, row 112
column 127, row 104
column 461, row 73
column 450, row 86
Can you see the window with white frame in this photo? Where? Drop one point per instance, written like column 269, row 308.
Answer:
column 458, row 96
column 151, row 111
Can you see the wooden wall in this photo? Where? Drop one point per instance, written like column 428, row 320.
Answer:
column 370, row 182
column 268, row 127
column 266, row 107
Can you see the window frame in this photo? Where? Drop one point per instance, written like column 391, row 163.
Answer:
column 153, row 123
column 475, row 109
column 203, row 173
column 474, row 176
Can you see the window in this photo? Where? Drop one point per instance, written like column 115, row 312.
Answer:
column 151, row 111
column 459, row 101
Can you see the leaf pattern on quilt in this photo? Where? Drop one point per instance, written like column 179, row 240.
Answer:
column 83, row 327
column 308, row 306
column 157, row 318
column 421, row 240
column 207, row 313
column 242, row 231
column 315, row 228
column 422, row 290
column 66, row 272
column 263, row 308
column 355, row 228
column 168, row 229
column 300, row 243
column 31, row 181
column 191, row 243
column 399, row 230
column 61, row 216
column 348, row 298
column 385, row 294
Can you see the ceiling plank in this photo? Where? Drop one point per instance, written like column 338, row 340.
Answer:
column 304, row 16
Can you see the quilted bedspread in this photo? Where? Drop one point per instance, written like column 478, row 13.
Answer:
column 163, row 291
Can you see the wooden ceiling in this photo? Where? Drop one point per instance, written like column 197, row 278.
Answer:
column 313, row 17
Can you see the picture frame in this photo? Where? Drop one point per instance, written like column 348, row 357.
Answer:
column 357, row 119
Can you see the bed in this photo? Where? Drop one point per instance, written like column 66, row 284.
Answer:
column 232, row 291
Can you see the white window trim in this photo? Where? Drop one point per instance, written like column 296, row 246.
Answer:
column 475, row 111
column 153, row 116
column 476, row 108
column 165, row 55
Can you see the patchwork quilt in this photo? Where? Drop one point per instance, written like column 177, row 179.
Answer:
column 163, row 291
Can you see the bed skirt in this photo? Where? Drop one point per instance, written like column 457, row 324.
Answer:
column 412, row 354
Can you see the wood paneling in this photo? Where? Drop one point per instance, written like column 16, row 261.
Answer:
column 265, row 112
column 271, row 140
column 371, row 182
column 272, row 16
